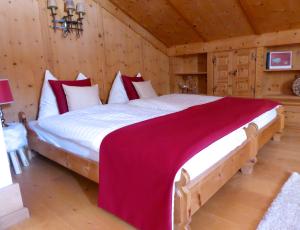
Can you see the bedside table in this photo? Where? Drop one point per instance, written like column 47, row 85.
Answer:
column 15, row 138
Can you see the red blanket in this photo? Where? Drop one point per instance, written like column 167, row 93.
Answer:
column 139, row 162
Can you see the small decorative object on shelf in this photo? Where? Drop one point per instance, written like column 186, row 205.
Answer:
column 6, row 97
column 296, row 85
column 184, row 87
column 188, row 85
column 279, row 60
column 67, row 24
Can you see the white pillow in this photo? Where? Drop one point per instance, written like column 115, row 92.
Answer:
column 117, row 93
column 144, row 89
column 81, row 76
column 48, row 104
column 81, row 97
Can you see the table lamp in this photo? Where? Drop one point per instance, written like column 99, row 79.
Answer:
column 6, row 97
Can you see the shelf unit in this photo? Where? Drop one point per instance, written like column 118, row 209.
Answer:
column 281, row 70
column 289, row 100
column 279, row 81
column 277, row 84
column 190, row 71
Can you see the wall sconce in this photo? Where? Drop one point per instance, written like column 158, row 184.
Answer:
column 66, row 23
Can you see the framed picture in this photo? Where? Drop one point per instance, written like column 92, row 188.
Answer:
column 280, row 60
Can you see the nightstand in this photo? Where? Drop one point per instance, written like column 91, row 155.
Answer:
column 15, row 138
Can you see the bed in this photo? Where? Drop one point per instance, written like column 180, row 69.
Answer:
column 176, row 102
column 198, row 179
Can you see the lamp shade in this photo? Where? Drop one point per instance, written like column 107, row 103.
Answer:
column 6, row 96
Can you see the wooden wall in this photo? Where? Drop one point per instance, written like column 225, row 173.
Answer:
column 279, row 38
column 272, row 84
column 28, row 46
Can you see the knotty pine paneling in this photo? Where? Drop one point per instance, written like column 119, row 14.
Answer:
column 214, row 19
column 28, row 47
column 161, row 19
column 123, row 49
column 68, row 56
column 153, row 58
column 22, row 59
column 276, row 15
column 179, row 22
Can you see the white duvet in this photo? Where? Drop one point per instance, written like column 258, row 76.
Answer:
column 82, row 132
column 173, row 102
column 88, row 127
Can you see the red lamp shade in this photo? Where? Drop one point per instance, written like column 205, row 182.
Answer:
column 6, row 96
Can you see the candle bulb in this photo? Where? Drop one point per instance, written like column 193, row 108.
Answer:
column 70, row 5
column 80, row 10
column 80, row 7
column 52, row 4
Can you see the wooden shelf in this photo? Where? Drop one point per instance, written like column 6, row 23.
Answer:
column 285, row 99
column 280, row 70
column 191, row 73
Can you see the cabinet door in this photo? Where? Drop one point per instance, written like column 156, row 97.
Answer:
column 222, row 81
column 243, row 73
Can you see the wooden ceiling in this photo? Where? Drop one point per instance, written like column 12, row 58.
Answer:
column 177, row 22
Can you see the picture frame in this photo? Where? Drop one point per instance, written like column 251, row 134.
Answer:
column 280, row 60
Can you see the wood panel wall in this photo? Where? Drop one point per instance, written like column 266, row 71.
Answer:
column 28, row 46
column 288, row 37
column 184, row 21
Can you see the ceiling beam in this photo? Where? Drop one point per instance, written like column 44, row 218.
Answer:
column 248, row 18
column 186, row 20
column 251, row 41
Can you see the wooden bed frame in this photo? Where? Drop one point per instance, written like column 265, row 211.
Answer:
column 190, row 195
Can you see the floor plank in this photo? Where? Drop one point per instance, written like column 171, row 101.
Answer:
column 60, row 199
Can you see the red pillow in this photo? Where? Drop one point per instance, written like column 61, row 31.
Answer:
column 129, row 87
column 60, row 94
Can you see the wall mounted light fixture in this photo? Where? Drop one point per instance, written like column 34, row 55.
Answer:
column 67, row 24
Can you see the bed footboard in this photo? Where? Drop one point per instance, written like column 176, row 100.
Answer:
column 281, row 117
column 190, row 195
column 252, row 136
column 182, row 203
column 274, row 130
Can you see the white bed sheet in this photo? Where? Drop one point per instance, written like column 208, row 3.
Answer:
column 81, row 133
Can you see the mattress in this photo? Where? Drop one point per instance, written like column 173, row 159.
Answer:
column 81, row 133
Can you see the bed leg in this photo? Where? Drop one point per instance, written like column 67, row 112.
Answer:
column 23, row 120
column 182, row 203
column 278, row 134
column 277, row 137
column 247, row 169
column 251, row 132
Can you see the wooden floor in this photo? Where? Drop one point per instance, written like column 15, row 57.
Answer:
column 59, row 199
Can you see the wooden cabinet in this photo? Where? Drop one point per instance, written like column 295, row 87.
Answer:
column 222, row 73
column 233, row 73
column 241, row 73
